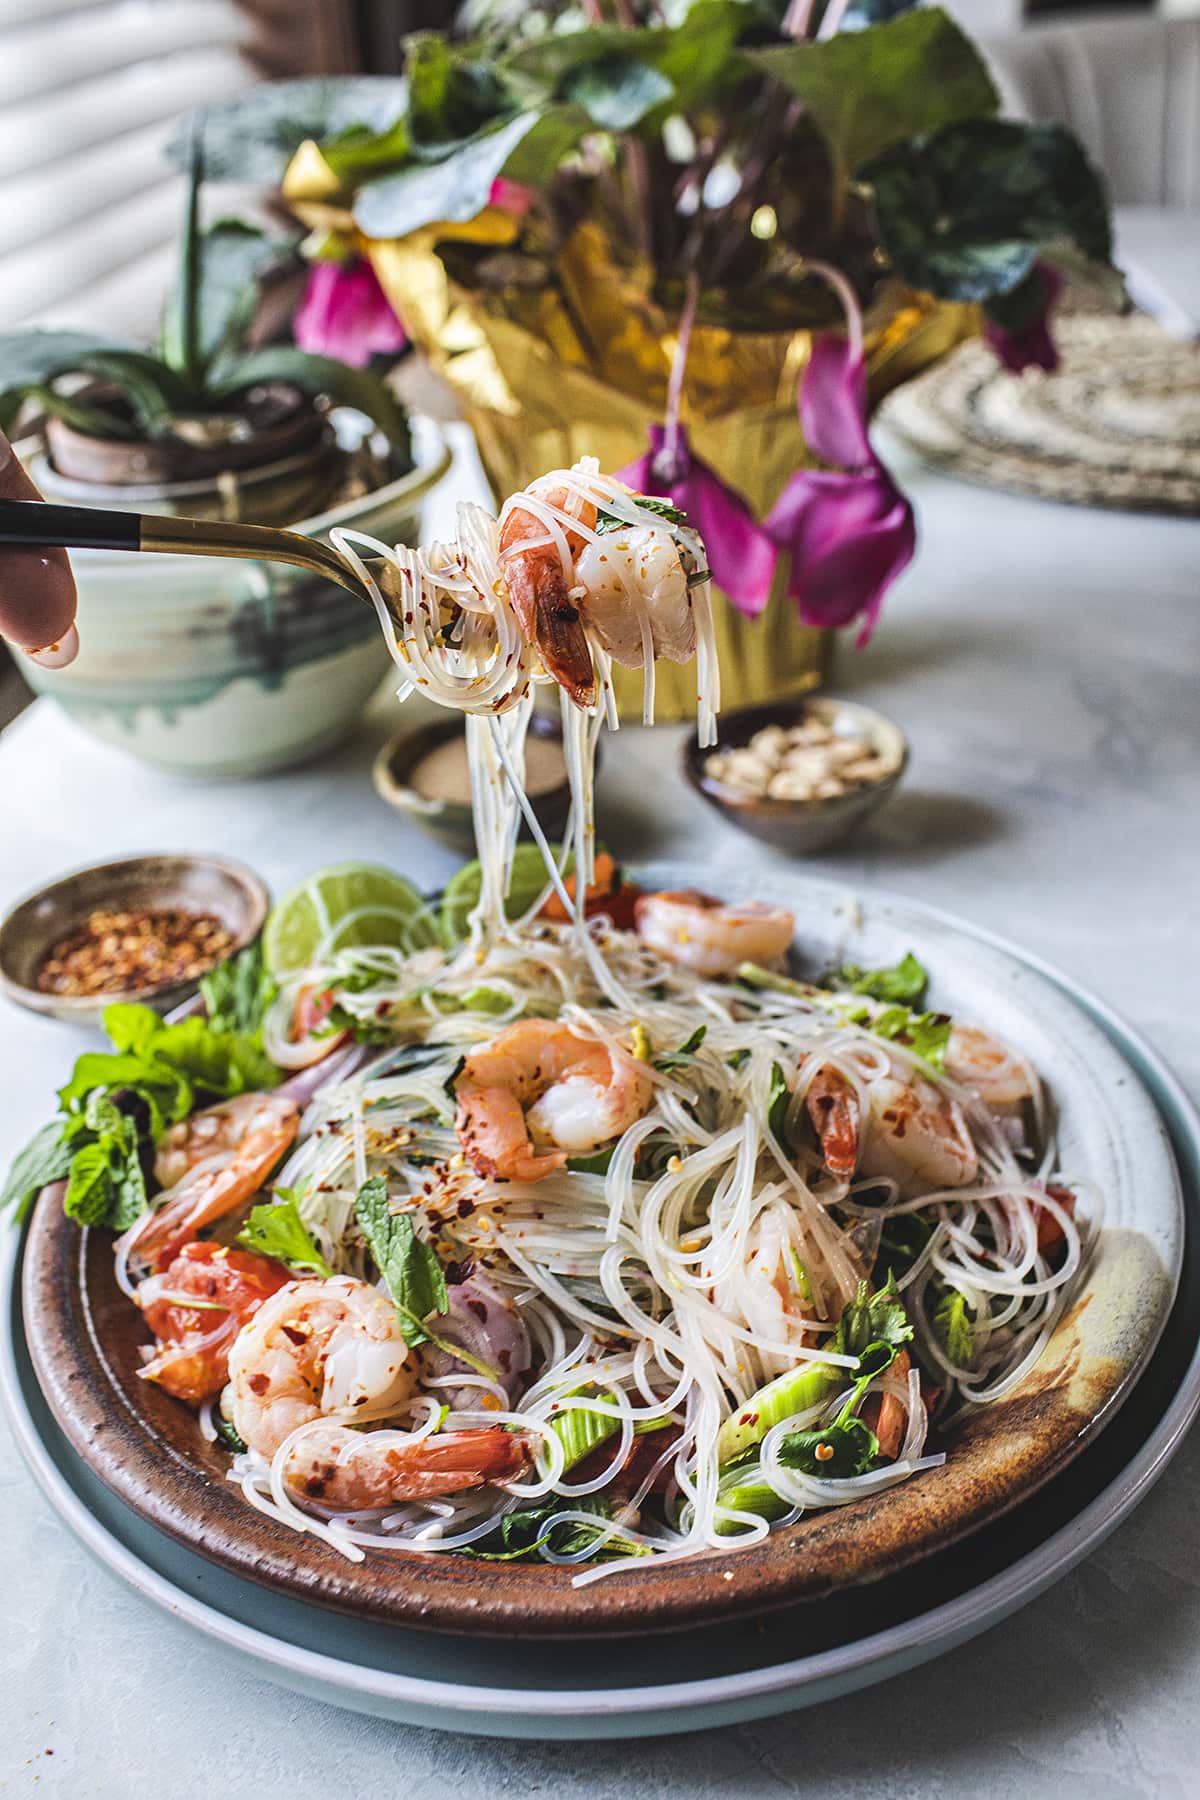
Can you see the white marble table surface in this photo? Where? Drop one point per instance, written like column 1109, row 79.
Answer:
column 1043, row 660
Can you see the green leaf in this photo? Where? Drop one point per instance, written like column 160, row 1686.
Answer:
column 218, row 1064
column 845, row 1448
column 869, row 90
column 232, row 259
column 31, row 360
column 966, row 214
column 903, row 1238
column 450, row 96
column 276, row 1229
column 410, row 1267
column 595, row 1164
column 316, row 375
column 458, row 186
column 926, row 1033
column 170, row 1090
column 606, row 521
column 227, row 1431
column 954, row 1329
column 875, row 1318
column 521, row 1535
column 779, row 1097
column 253, row 136
column 681, row 1058
column 905, row 981
column 89, row 1185
column 238, row 992
column 44, row 1159
column 619, row 91
column 155, row 392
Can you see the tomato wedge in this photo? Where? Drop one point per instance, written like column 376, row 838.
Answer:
column 608, row 893
column 191, row 1359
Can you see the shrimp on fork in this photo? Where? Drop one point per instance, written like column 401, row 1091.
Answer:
column 330, row 1354
column 541, row 1083
column 537, row 555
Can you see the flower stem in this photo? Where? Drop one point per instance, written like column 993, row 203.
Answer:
column 845, row 293
column 668, row 460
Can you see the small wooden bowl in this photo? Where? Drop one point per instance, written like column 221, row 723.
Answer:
column 201, row 884
column 799, row 826
column 450, row 820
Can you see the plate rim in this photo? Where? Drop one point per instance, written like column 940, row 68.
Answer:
column 552, row 1611
column 865, row 1660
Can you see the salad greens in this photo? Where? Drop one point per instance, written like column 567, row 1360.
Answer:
column 415, row 1278
column 238, row 992
column 117, row 1104
column 606, row 521
column 521, row 1536
column 925, row 1033
column 954, row 1328
column 905, row 981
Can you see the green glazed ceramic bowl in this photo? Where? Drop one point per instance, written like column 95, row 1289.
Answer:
column 208, row 667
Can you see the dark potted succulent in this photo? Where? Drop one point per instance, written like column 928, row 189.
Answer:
column 213, row 419
column 200, row 667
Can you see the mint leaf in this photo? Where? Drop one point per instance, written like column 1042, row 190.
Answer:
column 238, row 992
column 276, row 1229
column 89, row 1186
column 105, row 1184
column 904, row 981
column 45, row 1158
column 411, row 1269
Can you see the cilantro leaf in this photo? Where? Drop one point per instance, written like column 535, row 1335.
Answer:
column 276, row 1229
column 905, row 981
column 926, row 1033
column 954, row 1329
column 875, row 1318
column 410, row 1267
column 238, row 992
column 521, row 1536
column 45, row 1158
column 227, row 1431
column 846, row 1447
column 664, row 509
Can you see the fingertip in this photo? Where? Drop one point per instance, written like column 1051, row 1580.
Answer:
column 58, row 655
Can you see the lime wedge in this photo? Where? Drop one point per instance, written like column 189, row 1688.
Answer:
column 462, row 891
column 339, row 908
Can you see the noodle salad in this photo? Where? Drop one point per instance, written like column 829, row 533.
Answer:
column 561, row 1221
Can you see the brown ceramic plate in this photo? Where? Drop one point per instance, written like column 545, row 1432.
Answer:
column 84, row 1336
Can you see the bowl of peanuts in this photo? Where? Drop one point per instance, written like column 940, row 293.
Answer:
column 799, row 774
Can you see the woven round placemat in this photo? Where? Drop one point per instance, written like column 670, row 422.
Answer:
column 1118, row 424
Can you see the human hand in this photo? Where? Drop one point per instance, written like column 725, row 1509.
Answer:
column 37, row 589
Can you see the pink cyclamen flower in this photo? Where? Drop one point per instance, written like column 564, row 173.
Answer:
column 1028, row 344
column 849, row 529
column 511, row 196
column 345, row 314
column 740, row 555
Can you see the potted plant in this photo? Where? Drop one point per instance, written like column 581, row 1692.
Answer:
column 242, row 667
column 627, row 217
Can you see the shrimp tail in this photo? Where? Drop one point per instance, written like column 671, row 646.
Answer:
column 551, row 620
column 336, row 1468
column 834, row 1111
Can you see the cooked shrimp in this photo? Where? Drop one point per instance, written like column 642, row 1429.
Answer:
column 537, row 554
column 196, row 1308
column 916, row 1135
column 632, row 575
column 709, row 936
column 209, row 1164
column 325, row 1353
column 539, row 1082
column 833, row 1108
column 999, row 1074
column 318, row 1349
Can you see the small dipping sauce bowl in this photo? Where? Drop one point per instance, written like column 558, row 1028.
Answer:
column 813, row 821
column 204, row 886
column 424, row 773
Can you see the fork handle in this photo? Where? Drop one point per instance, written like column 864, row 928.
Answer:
column 50, row 526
